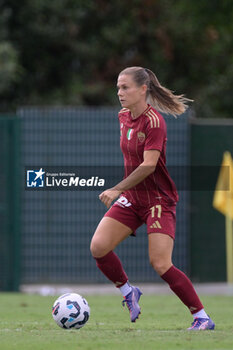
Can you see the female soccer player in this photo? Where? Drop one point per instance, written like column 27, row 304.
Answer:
column 147, row 194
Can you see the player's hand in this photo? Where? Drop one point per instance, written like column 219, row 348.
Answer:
column 109, row 195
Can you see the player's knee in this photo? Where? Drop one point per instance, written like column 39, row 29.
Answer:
column 160, row 265
column 96, row 248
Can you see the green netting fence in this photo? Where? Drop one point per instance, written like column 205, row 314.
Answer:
column 57, row 226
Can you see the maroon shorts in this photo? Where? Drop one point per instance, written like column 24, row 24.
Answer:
column 160, row 218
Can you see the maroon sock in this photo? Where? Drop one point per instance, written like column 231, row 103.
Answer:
column 112, row 268
column 183, row 288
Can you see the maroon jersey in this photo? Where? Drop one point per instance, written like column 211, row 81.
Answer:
column 147, row 132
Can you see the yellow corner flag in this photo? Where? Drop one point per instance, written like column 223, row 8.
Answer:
column 223, row 195
column 223, row 202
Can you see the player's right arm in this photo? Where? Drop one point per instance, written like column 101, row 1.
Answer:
column 146, row 168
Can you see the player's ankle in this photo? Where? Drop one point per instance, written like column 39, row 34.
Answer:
column 200, row 314
column 126, row 289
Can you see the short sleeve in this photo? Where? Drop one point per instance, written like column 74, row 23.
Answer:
column 155, row 137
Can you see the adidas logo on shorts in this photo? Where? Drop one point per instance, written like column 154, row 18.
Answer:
column 156, row 224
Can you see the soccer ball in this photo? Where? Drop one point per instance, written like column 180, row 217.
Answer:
column 71, row 311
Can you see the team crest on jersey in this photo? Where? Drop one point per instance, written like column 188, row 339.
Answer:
column 141, row 136
column 129, row 134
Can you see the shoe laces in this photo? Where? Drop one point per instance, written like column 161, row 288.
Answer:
column 127, row 301
column 198, row 321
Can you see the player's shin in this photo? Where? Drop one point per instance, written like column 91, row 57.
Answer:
column 110, row 265
column 183, row 288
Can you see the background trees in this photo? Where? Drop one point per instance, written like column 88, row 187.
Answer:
column 71, row 51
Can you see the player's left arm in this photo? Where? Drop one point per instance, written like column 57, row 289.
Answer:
column 147, row 167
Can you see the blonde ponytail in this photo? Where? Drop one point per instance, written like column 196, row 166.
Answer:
column 163, row 99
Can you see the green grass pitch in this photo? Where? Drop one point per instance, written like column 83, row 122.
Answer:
column 27, row 324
